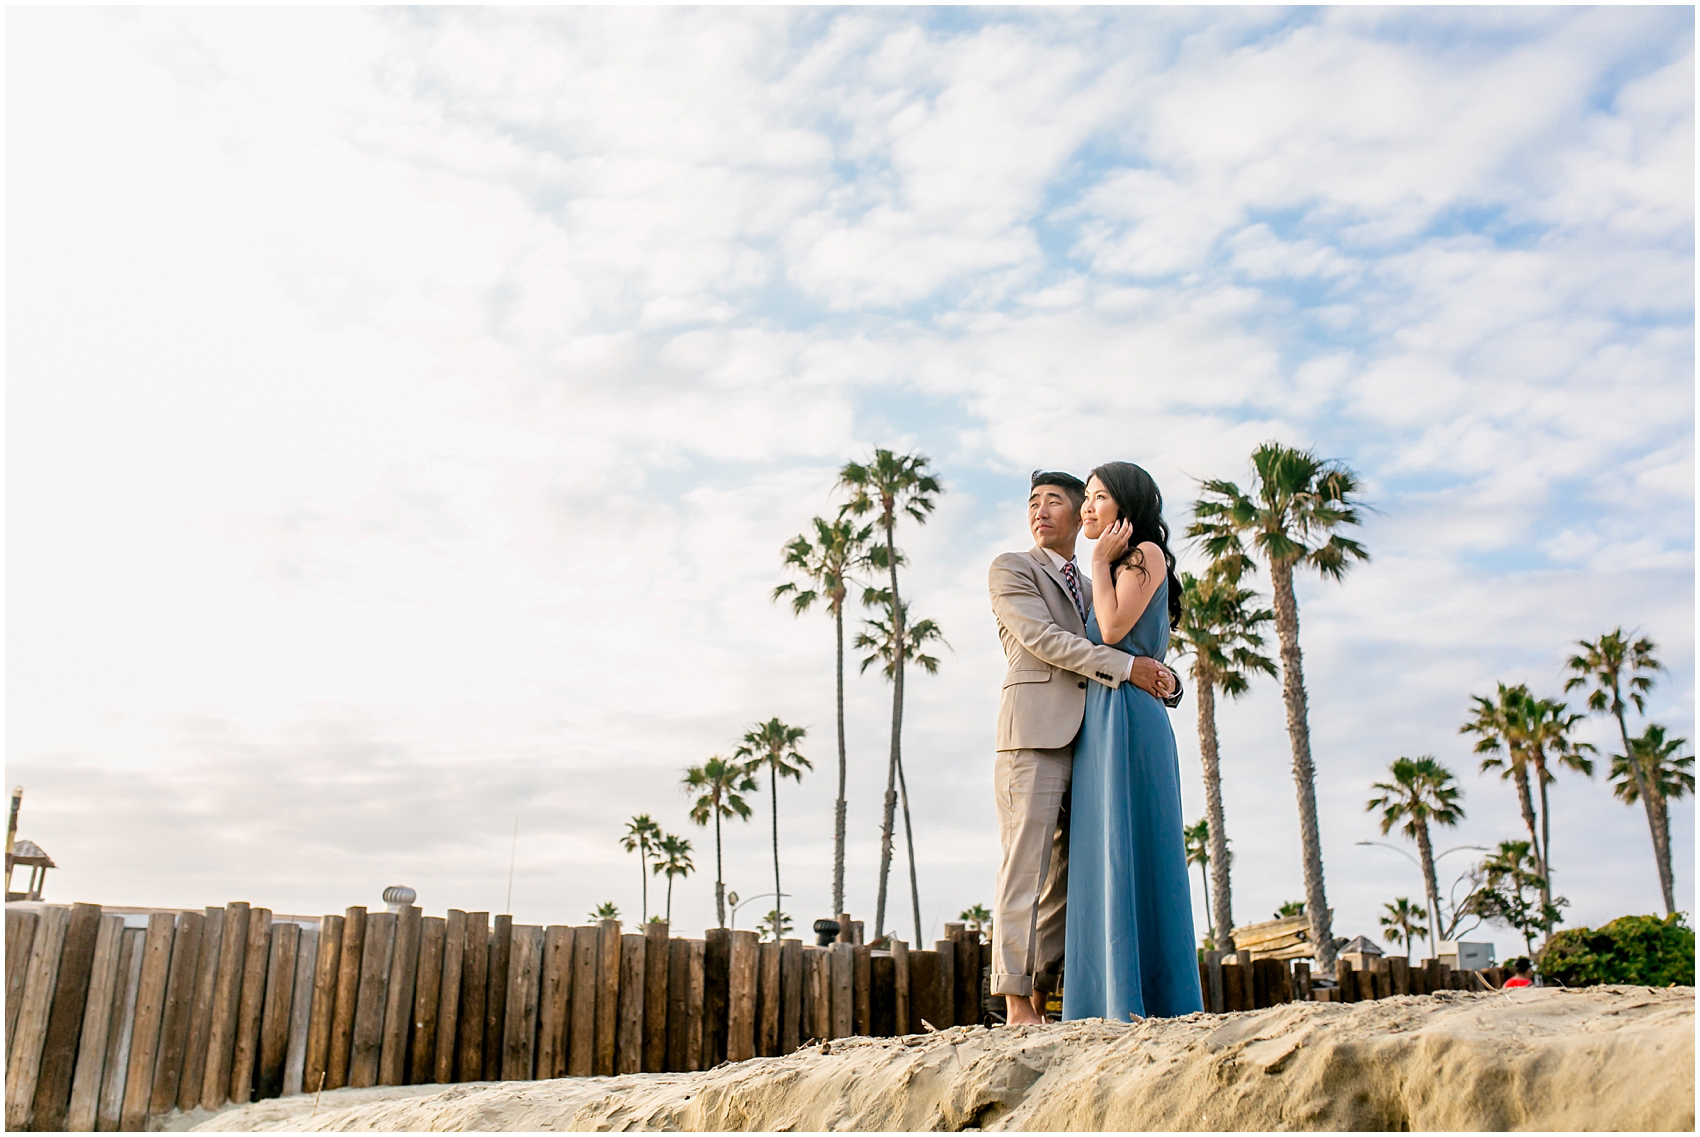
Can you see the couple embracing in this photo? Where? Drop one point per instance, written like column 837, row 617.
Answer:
column 1087, row 780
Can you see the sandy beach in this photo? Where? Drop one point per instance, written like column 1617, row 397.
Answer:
column 1604, row 1058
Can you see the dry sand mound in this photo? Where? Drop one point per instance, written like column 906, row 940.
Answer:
column 1601, row 1058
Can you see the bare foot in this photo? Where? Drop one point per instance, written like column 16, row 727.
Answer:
column 1020, row 1011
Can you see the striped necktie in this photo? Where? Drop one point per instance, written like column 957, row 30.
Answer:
column 1072, row 576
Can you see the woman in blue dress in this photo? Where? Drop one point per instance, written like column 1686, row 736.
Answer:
column 1130, row 948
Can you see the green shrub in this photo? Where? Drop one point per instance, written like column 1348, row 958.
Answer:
column 1642, row 950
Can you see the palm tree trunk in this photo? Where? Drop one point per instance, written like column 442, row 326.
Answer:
column 909, row 836
column 1221, row 914
column 669, row 900
column 897, row 645
column 843, row 766
column 1526, row 802
column 719, row 872
column 1431, row 885
column 1545, row 855
column 1661, row 839
column 1304, row 771
column 643, row 867
column 1204, row 878
column 773, row 792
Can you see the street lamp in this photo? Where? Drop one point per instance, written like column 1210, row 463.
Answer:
column 1434, row 917
column 732, row 899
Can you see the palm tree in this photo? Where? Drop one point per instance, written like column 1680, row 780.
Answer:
column 774, row 925
column 1501, row 726
column 675, row 861
column 1502, row 881
column 1613, row 663
column 1219, row 630
column 720, row 785
column 978, row 917
column 1547, row 729
column 893, row 484
column 839, row 548
column 1197, row 838
column 1403, row 923
column 1660, row 767
column 774, row 745
column 641, row 837
column 892, row 641
column 1422, row 792
column 607, row 910
column 1290, row 515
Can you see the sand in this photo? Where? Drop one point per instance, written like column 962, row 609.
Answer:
column 1548, row 1059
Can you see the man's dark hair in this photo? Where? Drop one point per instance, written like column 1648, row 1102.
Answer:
column 1073, row 486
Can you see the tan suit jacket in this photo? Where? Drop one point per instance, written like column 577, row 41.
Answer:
column 1050, row 658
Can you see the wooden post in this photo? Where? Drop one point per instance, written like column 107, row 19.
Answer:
column 496, row 995
column 327, row 962
column 97, row 1022
column 581, row 1044
column 448, row 1003
column 882, row 996
column 190, row 1080
column 817, row 995
column 554, row 1002
column 1399, row 974
column 1261, row 995
column 741, row 997
column 628, row 1029
column 968, row 1004
column 1301, row 980
column 369, row 1003
column 398, row 998
column 117, row 1070
column 519, row 1002
column 843, row 989
column 300, row 1013
column 179, row 1004
column 1231, row 988
column 150, row 1004
column 1365, row 977
column 607, row 994
column 275, row 1011
column 900, row 987
column 427, row 1001
column 767, row 999
column 656, row 962
column 245, row 1056
column 20, row 934
column 944, row 978
column 923, row 985
column 226, row 1006
column 474, row 976
column 716, row 959
column 1211, row 981
column 1346, row 983
column 678, row 955
column 862, row 992
column 65, row 1018
column 791, row 984
column 351, row 957
column 696, row 987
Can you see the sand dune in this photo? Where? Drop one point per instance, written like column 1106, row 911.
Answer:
column 1601, row 1058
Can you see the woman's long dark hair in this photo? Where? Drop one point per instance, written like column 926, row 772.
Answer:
column 1140, row 503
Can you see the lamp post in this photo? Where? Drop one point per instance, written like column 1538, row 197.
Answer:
column 1434, row 917
column 732, row 899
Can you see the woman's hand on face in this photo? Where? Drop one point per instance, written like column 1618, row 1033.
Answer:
column 1112, row 543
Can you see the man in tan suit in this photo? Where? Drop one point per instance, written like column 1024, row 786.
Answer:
column 1041, row 601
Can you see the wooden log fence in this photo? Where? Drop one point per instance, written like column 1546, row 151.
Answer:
column 110, row 1025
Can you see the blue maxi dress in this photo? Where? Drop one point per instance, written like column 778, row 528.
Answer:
column 1130, row 944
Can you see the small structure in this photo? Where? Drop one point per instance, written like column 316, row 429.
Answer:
column 1285, row 937
column 1361, row 953
column 1463, row 956
column 397, row 897
column 28, row 853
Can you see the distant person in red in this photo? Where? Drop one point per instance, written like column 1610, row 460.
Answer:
column 1520, row 968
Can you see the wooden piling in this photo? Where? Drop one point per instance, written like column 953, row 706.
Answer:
column 474, row 977
column 246, row 1053
column 944, row 980
column 656, row 961
column 65, row 1018
column 448, row 1002
column 496, row 995
column 1399, row 974
column 351, row 958
column 150, row 1005
column 327, row 962
column 1301, row 980
column 843, row 989
column 104, row 981
column 300, row 1012
column 741, row 996
column 817, row 993
column 554, row 1002
column 174, row 1026
column 607, row 995
column 968, row 964
column 1231, row 988
column 373, row 995
column 190, row 1080
column 20, row 934
column 398, row 998
column 677, row 963
column 581, row 1027
column 629, row 1024
column 791, row 983
column 274, row 1014
column 900, row 987
column 1344, row 981
column 923, row 984
column 117, row 1072
column 862, row 991
column 716, row 959
column 1365, row 977
column 882, row 1001
column 767, row 999
column 519, row 1002
column 427, row 1001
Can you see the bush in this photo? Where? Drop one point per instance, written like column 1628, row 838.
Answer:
column 1642, row 950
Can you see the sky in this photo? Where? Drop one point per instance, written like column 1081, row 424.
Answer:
column 407, row 409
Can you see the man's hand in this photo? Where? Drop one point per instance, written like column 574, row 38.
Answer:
column 1152, row 677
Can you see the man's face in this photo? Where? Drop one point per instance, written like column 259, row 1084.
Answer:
column 1054, row 519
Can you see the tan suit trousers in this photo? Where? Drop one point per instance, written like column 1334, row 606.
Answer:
column 1029, row 911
